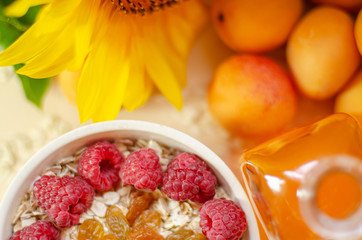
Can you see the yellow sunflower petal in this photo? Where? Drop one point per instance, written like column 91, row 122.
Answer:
column 148, row 90
column 179, row 36
column 20, row 7
column 113, row 92
column 140, row 86
column 88, row 89
column 135, row 86
column 39, row 36
column 39, row 68
column 158, row 67
column 86, row 23
column 177, row 62
column 162, row 75
column 54, row 59
column 100, row 90
column 139, row 89
column 184, row 23
column 56, row 16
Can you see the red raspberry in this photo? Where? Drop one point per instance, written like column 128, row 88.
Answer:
column 189, row 177
column 40, row 230
column 222, row 219
column 64, row 199
column 142, row 169
column 100, row 164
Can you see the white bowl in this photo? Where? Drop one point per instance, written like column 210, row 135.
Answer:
column 70, row 142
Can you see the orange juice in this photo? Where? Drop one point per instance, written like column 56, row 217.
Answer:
column 344, row 188
column 307, row 184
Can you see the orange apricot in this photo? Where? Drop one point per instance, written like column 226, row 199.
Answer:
column 346, row 4
column 322, row 52
column 255, row 26
column 358, row 31
column 68, row 84
column 251, row 96
column 350, row 99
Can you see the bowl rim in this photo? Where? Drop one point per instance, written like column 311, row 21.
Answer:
column 127, row 125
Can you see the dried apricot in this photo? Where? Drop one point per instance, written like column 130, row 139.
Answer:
column 197, row 236
column 185, row 234
column 139, row 203
column 109, row 237
column 145, row 234
column 180, row 234
column 148, row 218
column 90, row 229
column 117, row 222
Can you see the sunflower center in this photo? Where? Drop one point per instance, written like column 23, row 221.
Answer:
column 143, row 6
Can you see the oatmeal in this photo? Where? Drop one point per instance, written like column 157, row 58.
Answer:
column 122, row 211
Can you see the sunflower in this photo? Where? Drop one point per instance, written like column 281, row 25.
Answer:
column 125, row 49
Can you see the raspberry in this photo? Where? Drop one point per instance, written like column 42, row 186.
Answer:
column 142, row 169
column 100, row 164
column 222, row 219
column 40, row 230
column 64, row 199
column 188, row 177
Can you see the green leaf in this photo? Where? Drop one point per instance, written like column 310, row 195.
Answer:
column 5, row 2
column 8, row 33
column 34, row 89
column 10, row 30
column 30, row 16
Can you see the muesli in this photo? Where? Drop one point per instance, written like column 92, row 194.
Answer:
column 128, row 189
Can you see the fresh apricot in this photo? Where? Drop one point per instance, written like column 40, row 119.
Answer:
column 346, row 4
column 358, row 31
column 350, row 99
column 251, row 96
column 255, row 26
column 322, row 52
column 68, row 83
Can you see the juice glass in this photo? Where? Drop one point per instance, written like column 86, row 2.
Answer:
column 307, row 183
